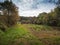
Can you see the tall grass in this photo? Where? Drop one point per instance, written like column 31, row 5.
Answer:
column 15, row 34
column 20, row 35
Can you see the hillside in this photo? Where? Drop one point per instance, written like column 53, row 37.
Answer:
column 30, row 34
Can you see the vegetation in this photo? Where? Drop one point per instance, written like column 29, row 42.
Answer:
column 10, row 14
column 51, row 19
column 30, row 35
column 41, row 30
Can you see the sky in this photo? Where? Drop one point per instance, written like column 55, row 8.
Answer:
column 33, row 7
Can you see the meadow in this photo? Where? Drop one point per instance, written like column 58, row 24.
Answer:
column 30, row 34
column 16, row 29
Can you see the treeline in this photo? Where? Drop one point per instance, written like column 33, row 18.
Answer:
column 27, row 20
column 52, row 18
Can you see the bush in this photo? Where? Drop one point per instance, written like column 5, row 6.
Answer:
column 3, row 27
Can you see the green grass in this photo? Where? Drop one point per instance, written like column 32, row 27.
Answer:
column 13, row 34
column 22, row 35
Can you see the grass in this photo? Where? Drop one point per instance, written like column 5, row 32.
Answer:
column 30, row 34
column 51, row 41
column 15, row 35
column 40, row 27
column 47, row 28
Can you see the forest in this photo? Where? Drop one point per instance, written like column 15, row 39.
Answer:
column 43, row 29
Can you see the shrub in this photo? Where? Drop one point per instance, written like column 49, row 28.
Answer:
column 3, row 27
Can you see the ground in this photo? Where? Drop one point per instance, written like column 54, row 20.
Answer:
column 30, row 34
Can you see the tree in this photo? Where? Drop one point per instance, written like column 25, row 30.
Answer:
column 42, row 18
column 57, row 13
column 12, row 13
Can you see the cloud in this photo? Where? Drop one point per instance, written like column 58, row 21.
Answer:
column 33, row 7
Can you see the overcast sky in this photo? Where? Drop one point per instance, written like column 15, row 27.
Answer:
column 33, row 7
